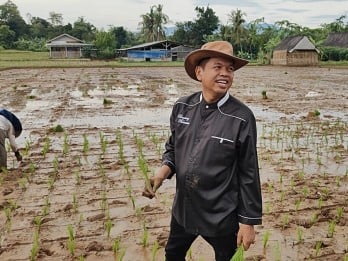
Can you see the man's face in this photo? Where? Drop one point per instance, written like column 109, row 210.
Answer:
column 216, row 76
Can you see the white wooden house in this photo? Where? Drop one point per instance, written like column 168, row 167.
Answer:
column 66, row 46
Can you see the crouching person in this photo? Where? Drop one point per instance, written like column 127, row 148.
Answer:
column 10, row 128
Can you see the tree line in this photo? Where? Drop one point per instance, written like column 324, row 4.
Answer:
column 251, row 39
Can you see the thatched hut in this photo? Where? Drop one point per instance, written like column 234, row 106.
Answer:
column 296, row 51
column 339, row 40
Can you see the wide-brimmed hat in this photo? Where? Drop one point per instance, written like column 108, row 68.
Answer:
column 214, row 49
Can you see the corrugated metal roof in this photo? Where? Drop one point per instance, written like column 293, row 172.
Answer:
column 151, row 44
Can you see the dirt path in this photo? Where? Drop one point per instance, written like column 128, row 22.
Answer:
column 77, row 193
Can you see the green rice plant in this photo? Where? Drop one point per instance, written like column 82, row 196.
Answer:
column 27, row 145
column 66, row 144
column 38, row 222
column 277, row 252
column 331, row 228
column 145, row 237
column 285, row 220
column 108, row 225
column 77, row 177
column 339, row 214
column 46, row 207
column 85, row 144
column 314, row 218
column 154, row 251
column 305, row 191
column 103, row 142
column 107, row 101
column 116, row 245
column 50, row 183
column 266, row 238
column 35, row 247
column 130, row 195
column 71, row 240
column 345, row 257
column 120, row 144
column 8, row 213
column 297, row 204
column 189, row 253
column 144, row 169
column 57, row 128
column 22, row 183
column 264, row 95
column 75, row 203
column 299, row 235
column 104, row 202
column 55, row 164
column 46, row 146
column 81, row 258
column 239, row 254
column 268, row 207
column 320, row 202
column 121, row 255
column 32, row 167
column 318, row 246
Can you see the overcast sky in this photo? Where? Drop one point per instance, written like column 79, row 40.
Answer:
column 126, row 13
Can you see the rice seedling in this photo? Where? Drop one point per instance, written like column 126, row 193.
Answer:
column 22, row 183
column 75, row 203
column 85, row 144
column 264, row 95
column 239, row 254
column 107, row 101
column 145, row 237
column 318, row 246
column 277, row 252
column 46, row 207
column 77, row 177
column 339, row 214
column 130, row 195
column 8, row 213
column 285, row 221
column 55, row 164
column 32, row 167
column 57, row 128
column 314, row 218
column 331, row 228
column 116, row 245
column 320, row 202
column 71, row 240
column 50, row 183
column 266, row 238
column 297, row 204
column 103, row 142
column 35, row 247
column 38, row 222
column 104, row 202
column 154, row 251
column 108, row 225
column 120, row 146
column 65, row 144
column 121, row 255
column 299, row 235
column 46, row 146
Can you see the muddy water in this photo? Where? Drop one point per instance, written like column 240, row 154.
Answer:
column 90, row 175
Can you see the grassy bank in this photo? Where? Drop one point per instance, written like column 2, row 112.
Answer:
column 25, row 59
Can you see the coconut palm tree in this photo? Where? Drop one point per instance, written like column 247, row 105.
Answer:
column 152, row 23
column 237, row 21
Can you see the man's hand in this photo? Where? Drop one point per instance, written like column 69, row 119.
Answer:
column 150, row 189
column 18, row 156
column 246, row 235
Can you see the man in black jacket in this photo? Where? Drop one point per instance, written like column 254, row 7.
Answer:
column 10, row 128
column 212, row 152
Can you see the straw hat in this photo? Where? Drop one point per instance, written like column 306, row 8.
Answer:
column 214, row 49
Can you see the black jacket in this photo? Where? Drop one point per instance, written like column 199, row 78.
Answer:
column 212, row 151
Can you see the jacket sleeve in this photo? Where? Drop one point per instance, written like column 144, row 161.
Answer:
column 250, row 199
column 12, row 139
column 168, row 157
